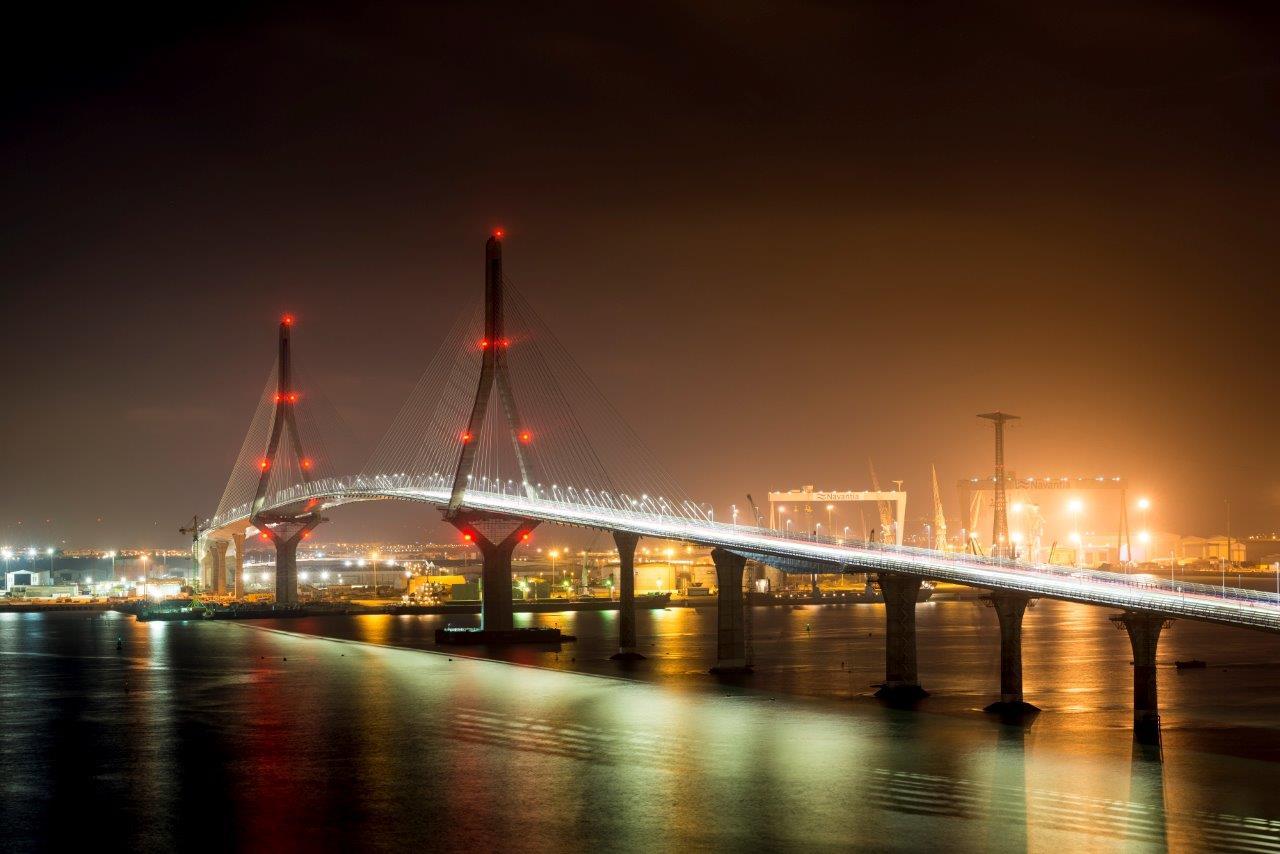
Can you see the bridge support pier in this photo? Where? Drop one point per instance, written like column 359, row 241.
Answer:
column 495, row 579
column 1010, row 608
column 626, row 596
column 206, row 568
column 1144, row 635
column 287, row 533
column 901, row 684
column 237, row 581
column 731, row 648
column 218, row 566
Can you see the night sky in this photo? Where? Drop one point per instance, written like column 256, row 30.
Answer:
column 783, row 237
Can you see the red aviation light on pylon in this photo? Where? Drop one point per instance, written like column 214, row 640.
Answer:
column 483, row 344
column 292, row 397
column 467, row 538
column 306, row 463
column 264, row 464
column 524, row 536
column 498, row 233
column 465, row 436
column 287, row 320
column 525, row 437
column 264, row 536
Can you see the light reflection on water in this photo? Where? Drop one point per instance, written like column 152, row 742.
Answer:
column 368, row 745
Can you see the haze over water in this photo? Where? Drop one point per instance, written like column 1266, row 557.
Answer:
column 203, row 735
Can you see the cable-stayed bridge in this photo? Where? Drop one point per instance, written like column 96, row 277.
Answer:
column 504, row 431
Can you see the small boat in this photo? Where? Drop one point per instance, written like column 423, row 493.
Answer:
column 1190, row 664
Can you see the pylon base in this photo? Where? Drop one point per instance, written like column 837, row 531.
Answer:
column 626, row 655
column 901, row 694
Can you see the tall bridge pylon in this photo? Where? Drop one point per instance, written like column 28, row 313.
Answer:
column 493, row 371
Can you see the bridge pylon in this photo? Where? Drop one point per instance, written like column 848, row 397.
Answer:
column 493, row 371
column 284, row 530
column 495, row 535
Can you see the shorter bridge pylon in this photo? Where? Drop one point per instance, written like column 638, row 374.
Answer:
column 284, row 529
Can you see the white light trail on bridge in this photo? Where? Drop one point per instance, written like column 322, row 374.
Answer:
column 800, row 553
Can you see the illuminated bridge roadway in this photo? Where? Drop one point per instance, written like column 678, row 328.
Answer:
column 480, row 466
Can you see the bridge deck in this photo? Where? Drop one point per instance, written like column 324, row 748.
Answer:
column 795, row 553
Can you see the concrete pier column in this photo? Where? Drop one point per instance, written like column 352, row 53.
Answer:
column 496, row 607
column 1010, row 608
column 626, row 596
column 218, row 567
column 287, row 570
column 900, row 680
column 731, row 650
column 206, row 567
column 285, row 532
column 1144, row 634
column 237, row 581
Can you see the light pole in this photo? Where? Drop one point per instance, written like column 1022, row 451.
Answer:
column 49, row 552
column 553, row 554
column 734, row 508
column 7, row 554
column 830, row 509
column 143, row 558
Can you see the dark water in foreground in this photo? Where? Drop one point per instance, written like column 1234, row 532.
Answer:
column 203, row 735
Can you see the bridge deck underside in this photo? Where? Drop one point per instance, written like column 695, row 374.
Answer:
column 1238, row 607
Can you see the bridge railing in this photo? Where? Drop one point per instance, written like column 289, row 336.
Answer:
column 689, row 521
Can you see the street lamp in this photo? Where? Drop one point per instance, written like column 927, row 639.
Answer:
column 49, row 552
column 143, row 559
column 830, row 509
column 553, row 554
